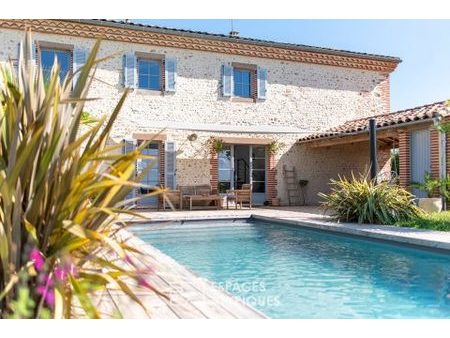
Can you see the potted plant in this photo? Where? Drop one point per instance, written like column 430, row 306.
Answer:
column 273, row 147
column 275, row 202
column 216, row 144
column 429, row 186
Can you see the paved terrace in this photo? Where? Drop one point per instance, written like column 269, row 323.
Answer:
column 194, row 297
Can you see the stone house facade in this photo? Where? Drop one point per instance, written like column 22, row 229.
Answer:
column 188, row 88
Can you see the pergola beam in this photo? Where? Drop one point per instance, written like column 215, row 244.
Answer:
column 385, row 137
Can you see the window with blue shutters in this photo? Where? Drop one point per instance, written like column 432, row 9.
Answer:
column 261, row 83
column 149, row 71
column 48, row 56
column 79, row 59
column 246, row 81
column 170, row 74
column 227, row 80
column 149, row 74
column 129, row 70
column 170, row 165
column 242, row 82
column 129, row 145
column 31, row 57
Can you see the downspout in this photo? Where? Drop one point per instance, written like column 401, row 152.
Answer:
column 373, row 149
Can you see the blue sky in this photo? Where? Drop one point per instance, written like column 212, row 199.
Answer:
column 423, row 45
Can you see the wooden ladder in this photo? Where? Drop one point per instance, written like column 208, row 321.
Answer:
column 290, row 177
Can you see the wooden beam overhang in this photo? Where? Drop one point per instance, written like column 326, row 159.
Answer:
column 384, row 137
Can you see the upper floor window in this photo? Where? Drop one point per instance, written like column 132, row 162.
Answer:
column 150, row 71
column 242, row 82
column 149, row 74
column 48, row 57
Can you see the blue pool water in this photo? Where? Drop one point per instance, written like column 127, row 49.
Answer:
column 293, row 272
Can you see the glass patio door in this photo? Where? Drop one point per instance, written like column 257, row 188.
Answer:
column 258, row 173
column 226, row 169
column 229, row 178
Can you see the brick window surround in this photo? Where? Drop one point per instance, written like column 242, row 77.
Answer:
column 214, row 171
column 162, row 167
column 271, row 178
column 404, row 158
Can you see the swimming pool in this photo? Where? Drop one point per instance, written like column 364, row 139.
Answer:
column 293, row 272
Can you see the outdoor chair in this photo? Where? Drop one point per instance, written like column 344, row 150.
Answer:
column 240, row 196
column 172, row 198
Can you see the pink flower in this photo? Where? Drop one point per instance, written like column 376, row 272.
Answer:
column 129, row 260
column 50, row 297
column 38, row 259
column 62, row 272
column 144, row 283
column 48, row 294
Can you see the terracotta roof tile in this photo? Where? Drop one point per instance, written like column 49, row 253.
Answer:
column 168, row 30
column 398, row 118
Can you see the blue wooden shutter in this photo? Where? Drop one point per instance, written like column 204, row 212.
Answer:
column 262, row 83
column 128, row 146
column 130, row 70
column 34, row 53
column 170, row 165
column 79, row 59
column 227, row 80
column 420, row 158
column 31, row 54
column 19, row 53
column 170, row 74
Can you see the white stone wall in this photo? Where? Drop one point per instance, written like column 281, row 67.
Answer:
column 319, row 165
column 303, row 96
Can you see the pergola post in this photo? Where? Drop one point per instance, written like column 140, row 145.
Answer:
column 373, row 148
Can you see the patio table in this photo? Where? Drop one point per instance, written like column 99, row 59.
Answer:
column 216, row 198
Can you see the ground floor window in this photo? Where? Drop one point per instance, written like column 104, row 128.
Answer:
column 152, row 177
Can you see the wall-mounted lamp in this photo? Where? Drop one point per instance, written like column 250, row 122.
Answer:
column 192, row 137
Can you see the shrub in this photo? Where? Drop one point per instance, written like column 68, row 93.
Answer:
column 362, row 200
column 62, row 190
column 429, row 185
column 435, row 221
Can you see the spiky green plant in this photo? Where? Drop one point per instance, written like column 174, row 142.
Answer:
column 362, row 200
column 61, row 196
column 430, row 185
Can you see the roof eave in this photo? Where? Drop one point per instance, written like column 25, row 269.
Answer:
column 210, row 36
column 365, row 131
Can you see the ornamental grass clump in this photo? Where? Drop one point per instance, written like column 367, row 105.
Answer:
column 62, row 192
column 362, row 200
